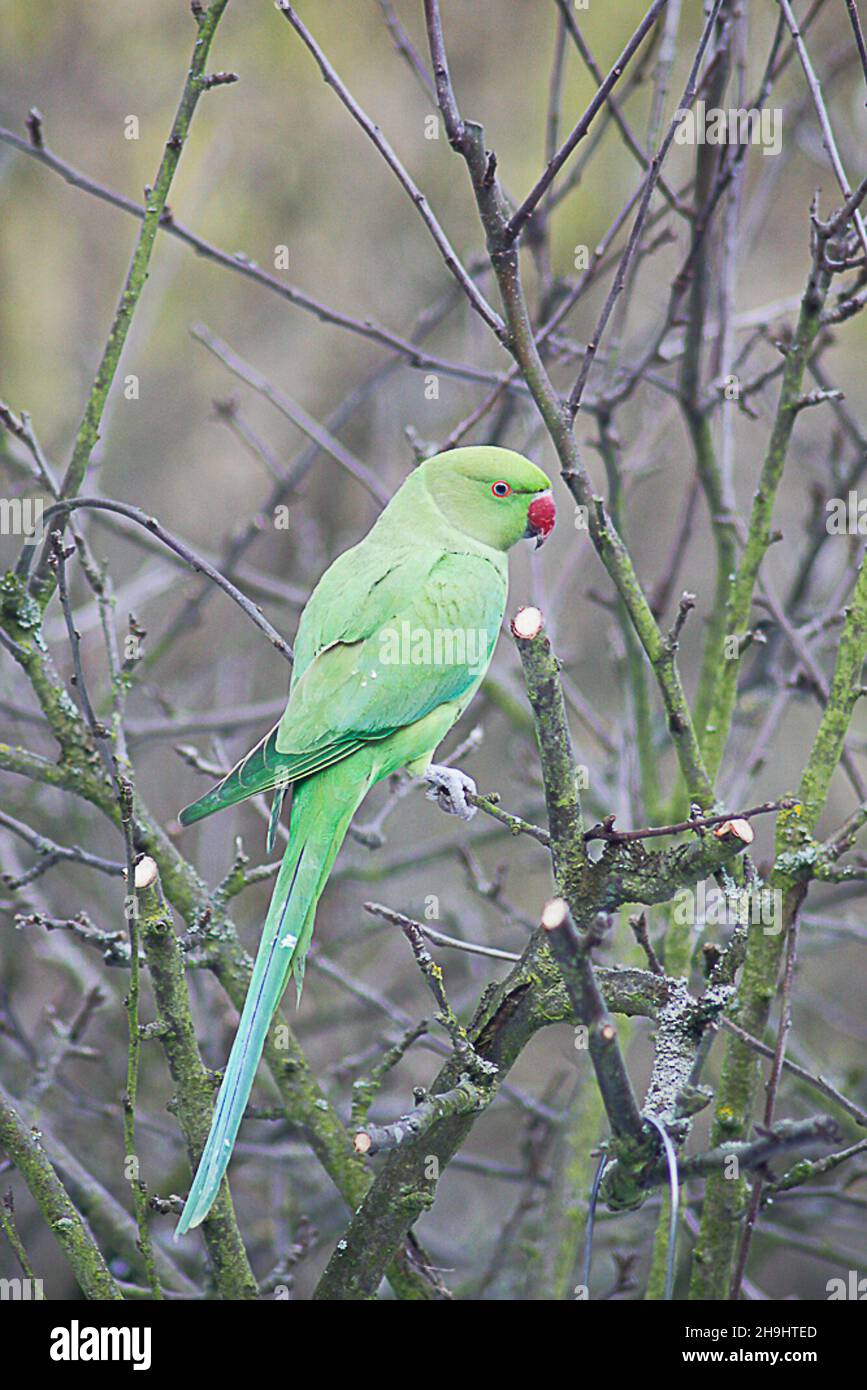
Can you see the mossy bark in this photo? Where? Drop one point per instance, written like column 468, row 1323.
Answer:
column 23, row 1147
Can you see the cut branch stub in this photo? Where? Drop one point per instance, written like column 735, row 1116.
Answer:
column 735, row 830
column 527, row 624
column 145, row 873
column 554, row 914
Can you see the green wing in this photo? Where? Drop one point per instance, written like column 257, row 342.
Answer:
column 364, row 682
column 260, row 770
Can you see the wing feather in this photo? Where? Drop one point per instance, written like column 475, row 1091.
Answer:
column 422, row 636
column 426, row 647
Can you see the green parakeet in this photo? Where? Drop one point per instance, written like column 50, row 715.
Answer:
column 391, row 647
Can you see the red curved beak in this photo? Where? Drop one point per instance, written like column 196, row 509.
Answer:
column 541, row 515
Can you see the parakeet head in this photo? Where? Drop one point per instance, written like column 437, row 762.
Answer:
column 495, row 495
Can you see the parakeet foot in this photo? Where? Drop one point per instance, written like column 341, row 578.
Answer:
column 449, row 788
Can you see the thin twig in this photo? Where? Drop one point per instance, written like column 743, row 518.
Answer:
column 605, row 830
column 88, row 432
column 373, row 132
column 315, row 431
column 824, row 120
column 185, row 552
column 650, row 181
column 552, row 169
column 243, row 265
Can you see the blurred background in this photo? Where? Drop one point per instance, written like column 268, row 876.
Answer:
column 276, row 169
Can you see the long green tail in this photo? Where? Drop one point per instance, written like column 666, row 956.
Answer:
column 322, row 809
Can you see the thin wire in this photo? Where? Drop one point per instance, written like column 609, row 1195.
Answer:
column 591, row 1222
column 674, row 1186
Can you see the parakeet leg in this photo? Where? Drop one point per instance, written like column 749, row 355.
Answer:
column 449, row 788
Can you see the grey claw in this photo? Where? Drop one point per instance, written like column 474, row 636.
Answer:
column 449, row 788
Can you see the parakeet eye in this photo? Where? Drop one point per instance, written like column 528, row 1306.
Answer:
column 500, row 489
